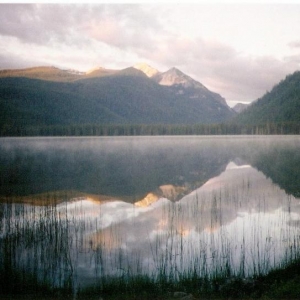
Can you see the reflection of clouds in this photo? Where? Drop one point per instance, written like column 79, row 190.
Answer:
column 162, row 224
column 230, row 215
column 293, row 206
column 125, row 168
column 237, row 190
column 107, row 238
column 183, row 231
column 242, row 188
column 294, row 223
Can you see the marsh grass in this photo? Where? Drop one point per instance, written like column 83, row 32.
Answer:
column 43, row 248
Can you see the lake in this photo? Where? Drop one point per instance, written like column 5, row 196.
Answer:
column 75, row 211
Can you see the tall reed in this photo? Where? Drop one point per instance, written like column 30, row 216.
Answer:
column 198, row 241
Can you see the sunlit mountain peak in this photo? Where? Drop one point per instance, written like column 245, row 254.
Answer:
column 176, row 77
column 94, row 69
column 145, row 68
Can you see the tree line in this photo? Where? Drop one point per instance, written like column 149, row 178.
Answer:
column 159, row 129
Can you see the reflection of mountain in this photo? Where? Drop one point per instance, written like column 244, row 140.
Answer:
column 239, row 189
column 278, row 158
column 283, row 167
column 124, row 168
column 169, row 191
column 133, row 169
column 238, row 216
column 222, row 214
column 239, row 208
column 236, row 191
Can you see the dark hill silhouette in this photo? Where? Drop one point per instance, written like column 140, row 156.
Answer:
column 49, row 96
column 281, row 104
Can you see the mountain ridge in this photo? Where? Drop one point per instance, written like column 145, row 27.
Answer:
column 148, row 70
column 45, row 95
column 281, row 104
column 103, row 96
column 172, row 77
column 239, row 107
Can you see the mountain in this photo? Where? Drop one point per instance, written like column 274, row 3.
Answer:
column 185, row 85
column 50, row 96
column 100, row 72
column 176, row 77
column 239, row 107
column 131, row 71
column 281, row 104
column 44, row 73
column 148, row 70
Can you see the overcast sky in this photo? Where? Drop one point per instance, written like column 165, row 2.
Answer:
column 238, row 50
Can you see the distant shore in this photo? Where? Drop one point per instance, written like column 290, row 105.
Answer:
column 155, row 129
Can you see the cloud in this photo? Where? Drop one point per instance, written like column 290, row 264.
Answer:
column 14, row 62
column 248, row 78
column 245, row 77
column 293, row 59
column 119, row 35
column 294, row 44
column 45, row 23
column 126, row 27
column 130, row 28
column 223, row 69
column 32, row 23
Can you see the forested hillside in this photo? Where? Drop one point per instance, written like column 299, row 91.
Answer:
column 104, row 97
column 49, row 101
column 280, row 105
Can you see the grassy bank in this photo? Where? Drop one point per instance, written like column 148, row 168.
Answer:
column 43, row 249
column 283, row 283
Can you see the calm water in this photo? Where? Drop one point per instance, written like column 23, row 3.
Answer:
column 176, row 205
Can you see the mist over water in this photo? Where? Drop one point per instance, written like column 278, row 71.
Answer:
column 177, row 204
column 124, row 166
column 114, row 166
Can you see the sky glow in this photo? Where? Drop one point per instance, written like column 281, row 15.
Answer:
column 237, row 50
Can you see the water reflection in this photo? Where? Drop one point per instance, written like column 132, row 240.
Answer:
column 198, row 205
column 238, row 219
column 134, row 168
column 239, row 209
column 127, row 168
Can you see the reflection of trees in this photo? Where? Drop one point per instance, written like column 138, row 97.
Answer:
column 236, row 191
column 123, row 168
column 191, row 233
column 283, row 167
column 195, row 227
column 130, row 168
column 281, row 162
